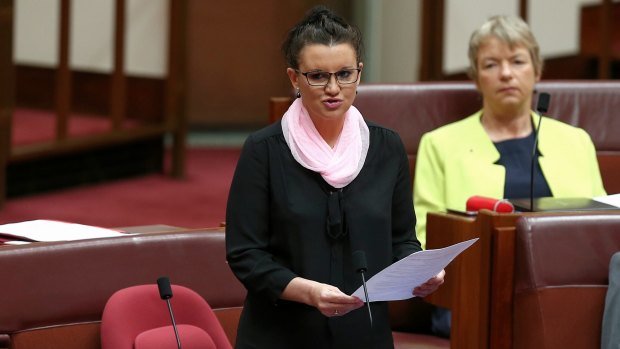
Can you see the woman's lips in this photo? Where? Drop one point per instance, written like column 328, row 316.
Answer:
column 332, row 103
column 508, row 90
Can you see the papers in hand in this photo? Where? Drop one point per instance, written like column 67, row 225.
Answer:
column 47, row 230
column 397, row 281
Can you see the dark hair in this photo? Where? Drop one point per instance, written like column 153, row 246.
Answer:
column 320, row 26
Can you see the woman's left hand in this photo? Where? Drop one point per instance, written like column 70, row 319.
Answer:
column 430, row 286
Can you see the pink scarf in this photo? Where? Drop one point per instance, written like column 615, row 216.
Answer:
column 339, row 165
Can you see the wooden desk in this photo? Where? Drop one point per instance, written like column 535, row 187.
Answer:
column 479, row 282
column 591, row 33
column 467, row 289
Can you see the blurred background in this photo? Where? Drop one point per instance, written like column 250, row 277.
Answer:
column 232, row 58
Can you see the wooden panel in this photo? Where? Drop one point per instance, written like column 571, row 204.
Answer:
column 431, row 65
column 609, row 165
column 502, row 279
column 277, row 107
column 118, row 93
column 590, row 32
column 175, row 116
column 467, row 290
column 570, row 67
column 96, row 163
column 77, row 336
column 63, row 75
column 234, row 62
column 7, row 86
column 91, row 92
column 463, row 279
column 229, row 318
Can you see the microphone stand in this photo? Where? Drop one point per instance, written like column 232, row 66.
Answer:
column 366, row 295
column 541, row 107
column 165, row 293
column 534, row 158
column 359, row 264
column 174, row 324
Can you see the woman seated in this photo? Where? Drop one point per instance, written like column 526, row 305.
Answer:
column 490, row 152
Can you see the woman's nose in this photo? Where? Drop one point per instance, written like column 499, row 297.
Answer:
column 506, row 70
column 332, row 85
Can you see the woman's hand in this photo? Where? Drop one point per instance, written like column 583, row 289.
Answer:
column 430, row 286
column 330, row 301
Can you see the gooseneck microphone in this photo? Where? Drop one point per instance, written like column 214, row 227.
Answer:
column 165, row 292
column 541, row 107
column 359, row 264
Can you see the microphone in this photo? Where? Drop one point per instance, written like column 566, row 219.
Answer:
column 165, row 292
column 477, row 203
column 541, row 107
column 359, row 264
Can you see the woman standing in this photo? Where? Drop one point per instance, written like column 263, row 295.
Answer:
column 309, row 191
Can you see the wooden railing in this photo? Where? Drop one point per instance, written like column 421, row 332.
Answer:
column 600, row 35
column 173, row 122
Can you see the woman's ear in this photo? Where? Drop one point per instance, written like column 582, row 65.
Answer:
column 293, row 76
column 359, row 78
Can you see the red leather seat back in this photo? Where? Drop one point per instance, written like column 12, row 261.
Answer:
column 592, row 105
column 414, row 109
column 561, row 277
column 139, row 311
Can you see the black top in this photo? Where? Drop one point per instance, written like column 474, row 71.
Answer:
column 283, row 221
column 516, row 157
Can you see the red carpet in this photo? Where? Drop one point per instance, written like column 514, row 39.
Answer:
column 198, row 201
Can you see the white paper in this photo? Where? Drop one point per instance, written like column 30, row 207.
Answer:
column 48, row 230
column 613, row 200
column 397, row 281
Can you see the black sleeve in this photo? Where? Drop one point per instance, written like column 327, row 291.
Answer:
column 247, row 225
column 404, row 240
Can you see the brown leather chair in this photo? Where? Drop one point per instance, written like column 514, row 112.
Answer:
column 561, row 277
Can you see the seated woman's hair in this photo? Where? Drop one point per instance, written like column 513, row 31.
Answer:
column 511, row 30
column 320, row 26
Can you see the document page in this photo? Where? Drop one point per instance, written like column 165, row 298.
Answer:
column 49, row 230
column 397, row 281
column 613, row 200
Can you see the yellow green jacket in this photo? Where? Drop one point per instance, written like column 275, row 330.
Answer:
column 457, row 161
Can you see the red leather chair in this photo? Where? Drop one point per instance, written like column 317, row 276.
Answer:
column 137, row 318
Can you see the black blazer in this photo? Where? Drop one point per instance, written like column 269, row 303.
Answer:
column 283, row 221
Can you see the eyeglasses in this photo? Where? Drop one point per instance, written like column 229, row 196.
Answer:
column 322, row 78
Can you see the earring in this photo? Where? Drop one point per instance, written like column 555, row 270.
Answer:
column 356, row 91
column 298, row 94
